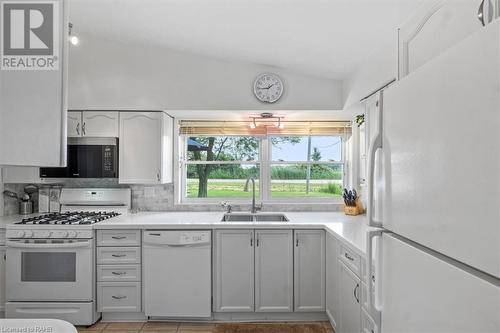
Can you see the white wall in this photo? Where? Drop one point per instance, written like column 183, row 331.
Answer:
column 107, row 74
column 379, row 69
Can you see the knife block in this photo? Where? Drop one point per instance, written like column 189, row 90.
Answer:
column 351, row 210
column 354, row 210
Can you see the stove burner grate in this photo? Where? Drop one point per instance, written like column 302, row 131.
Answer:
column 69, row 218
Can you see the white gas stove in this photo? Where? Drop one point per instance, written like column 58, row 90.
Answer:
column 51, row 257
column 80, row 208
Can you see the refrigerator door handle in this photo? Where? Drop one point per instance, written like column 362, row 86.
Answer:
column 376, row 308
column 375, row 144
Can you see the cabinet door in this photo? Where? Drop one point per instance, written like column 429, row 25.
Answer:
column 350, row 306
column 234, row 271
column 100, row 124
column 309, row 270
column 74, row 122
column 23, row 175
column 273, row 270
column 434, row 29
column 332, row 280
column 33, row 100
column 2, row 279
column 140, row 147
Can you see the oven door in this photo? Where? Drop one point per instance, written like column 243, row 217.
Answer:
column 50, row 270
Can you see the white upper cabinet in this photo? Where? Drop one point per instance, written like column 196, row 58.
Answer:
column 21, row 174
column 273, row 271
column 145, row 148
column 33, row 102
column 309, row 270
column 440, row 25
column 2, row 278
column 234, row 271
column 100, row 123
column 74, row 122
column 94, row 124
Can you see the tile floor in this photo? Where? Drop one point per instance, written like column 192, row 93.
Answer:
column 168, row 327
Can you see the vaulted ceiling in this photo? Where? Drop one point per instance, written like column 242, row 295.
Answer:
column 328, row 38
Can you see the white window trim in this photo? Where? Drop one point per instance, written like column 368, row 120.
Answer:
column 264, row 162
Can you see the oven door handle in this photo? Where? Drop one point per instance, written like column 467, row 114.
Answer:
column 74, row 245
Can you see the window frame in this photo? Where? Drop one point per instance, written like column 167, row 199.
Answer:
column 264, row 163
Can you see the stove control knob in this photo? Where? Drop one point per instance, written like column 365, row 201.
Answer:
column 19, row 234
column 28, row 234
column 71, row 234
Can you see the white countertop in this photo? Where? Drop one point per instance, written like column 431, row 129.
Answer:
column 351, row 230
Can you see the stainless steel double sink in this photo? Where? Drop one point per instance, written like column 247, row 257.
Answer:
column 258, row 217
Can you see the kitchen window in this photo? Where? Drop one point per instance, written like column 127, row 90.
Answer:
column 306, row 167
column 288, row 166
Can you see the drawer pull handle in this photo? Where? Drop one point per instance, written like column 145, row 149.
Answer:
column 348, row 256
column 118, row 237
column 119, row 297
column 118, row 255
column 118, row 273
column 150, row 234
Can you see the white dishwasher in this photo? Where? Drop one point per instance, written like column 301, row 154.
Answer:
column 177, row 273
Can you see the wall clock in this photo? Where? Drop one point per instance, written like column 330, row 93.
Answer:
column 268, row 87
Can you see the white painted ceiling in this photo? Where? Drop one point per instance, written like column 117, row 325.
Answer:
column 329, row 38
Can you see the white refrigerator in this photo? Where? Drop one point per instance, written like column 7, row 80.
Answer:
column 436, row 257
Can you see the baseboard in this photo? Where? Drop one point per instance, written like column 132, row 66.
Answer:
column 124, row 316
column 332, row 321
column 222, row 317
column 264, row 316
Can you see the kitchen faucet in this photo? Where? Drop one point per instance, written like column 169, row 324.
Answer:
column 245, row 189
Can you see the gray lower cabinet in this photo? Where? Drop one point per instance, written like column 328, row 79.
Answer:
column 234, row 271
column 350, row 304
column 119, row 271
column 273, row 271
column 332, row 280
column 118, row 296
column 253, row 271
column 309, row 270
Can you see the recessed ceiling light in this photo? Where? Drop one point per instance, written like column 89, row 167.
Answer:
column 72, row 38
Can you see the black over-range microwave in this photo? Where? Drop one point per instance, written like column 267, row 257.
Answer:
column 87, row 159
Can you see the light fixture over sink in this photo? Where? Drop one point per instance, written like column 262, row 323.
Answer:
column 267, row 119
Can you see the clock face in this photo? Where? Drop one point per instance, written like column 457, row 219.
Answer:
column 268, row 88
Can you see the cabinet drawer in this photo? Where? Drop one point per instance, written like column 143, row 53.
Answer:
column 351, row 259
column 118, row 297
column 118, row 255
column 110, row 273
column 119, row 238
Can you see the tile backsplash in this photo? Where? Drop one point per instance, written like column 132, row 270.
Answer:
column 157, row 198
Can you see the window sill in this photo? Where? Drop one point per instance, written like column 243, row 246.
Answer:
column 268, row 206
